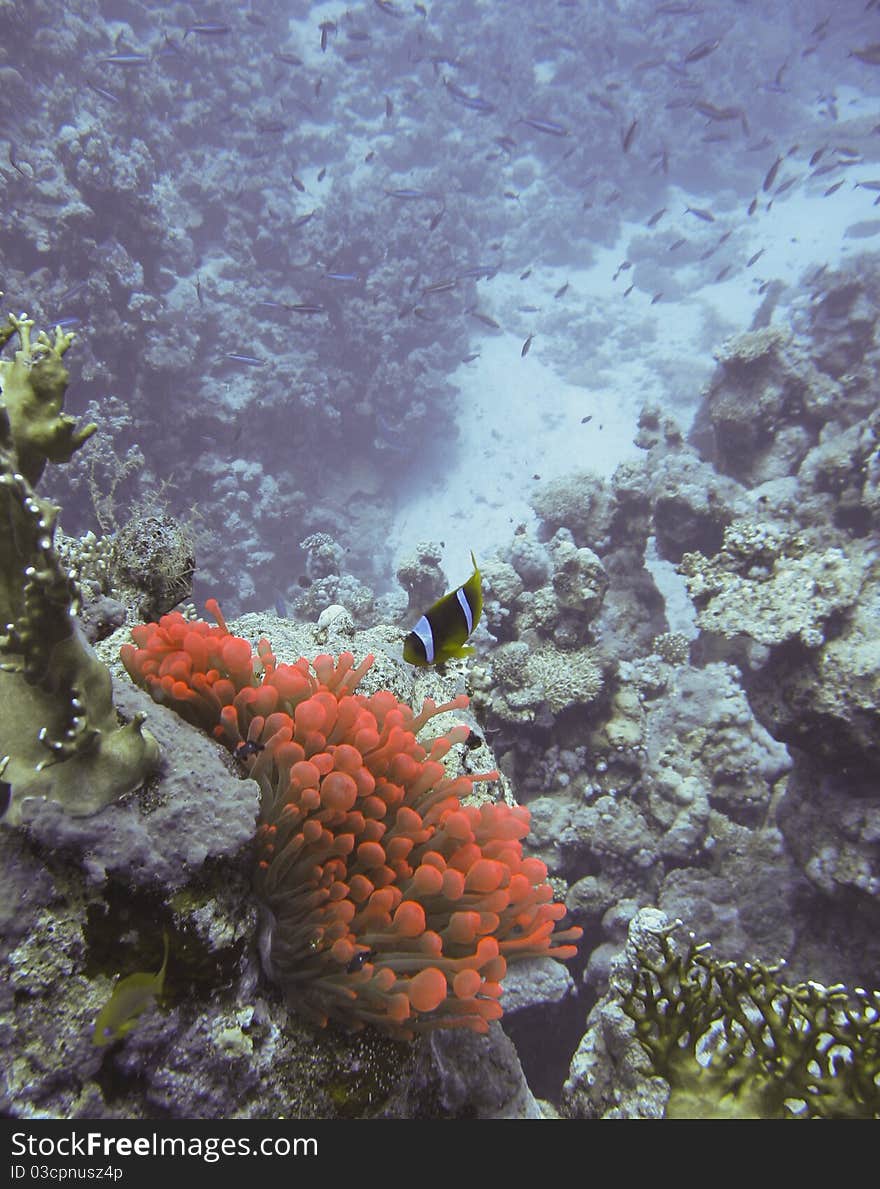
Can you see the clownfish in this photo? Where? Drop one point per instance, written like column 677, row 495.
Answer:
column 131, row 996
column 443, row 629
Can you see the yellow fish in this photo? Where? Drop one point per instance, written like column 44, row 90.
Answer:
column 443, row 629
column 131, row 996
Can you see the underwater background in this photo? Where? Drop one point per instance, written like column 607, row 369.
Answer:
column 587, row 290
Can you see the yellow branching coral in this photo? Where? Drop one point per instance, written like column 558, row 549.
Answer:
column 734, row 1041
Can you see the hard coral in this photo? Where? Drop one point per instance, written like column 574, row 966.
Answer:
column 735, row 1041
column 390, row 903
column 60, row 740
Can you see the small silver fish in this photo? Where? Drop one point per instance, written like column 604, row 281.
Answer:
column 548, row 126
column 207, row 29
column 485, row 319
column 439, row 287
column 770, row 176
column 125, row 60
column 108, row 95
column 250, row 360
column 701, row 213
column 703, row 50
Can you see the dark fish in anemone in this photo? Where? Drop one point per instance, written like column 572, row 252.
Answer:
column 442, row 631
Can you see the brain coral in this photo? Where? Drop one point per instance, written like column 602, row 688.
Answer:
column 388, row 901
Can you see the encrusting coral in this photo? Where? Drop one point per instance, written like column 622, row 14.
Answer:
column 59, row 735
column 387, row 901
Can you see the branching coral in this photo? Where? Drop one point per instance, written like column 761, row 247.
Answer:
column 735, row 1041
column 33, row 384
column 389, row 902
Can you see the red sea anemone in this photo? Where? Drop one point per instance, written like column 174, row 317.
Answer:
column 389, row 901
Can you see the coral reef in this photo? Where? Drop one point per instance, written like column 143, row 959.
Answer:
column 834, row 835
column 59, row 738
column 446, row 1083
column 691, row 503
column 781, row 568
column 422, row 577
column 525, row 685
column 281, row 345
column 388, row 902
column 841, row 323
column 153, row 559
column 216, row 1047
column 764, row 408
column 770, row 589
column 85, row 900
column 729, row 1040
column 811, row 612
column 324, row 583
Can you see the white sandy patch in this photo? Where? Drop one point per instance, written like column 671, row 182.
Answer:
column 519, row 421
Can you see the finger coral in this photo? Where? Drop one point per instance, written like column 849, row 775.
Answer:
column 390, row 903
column 736, row 1041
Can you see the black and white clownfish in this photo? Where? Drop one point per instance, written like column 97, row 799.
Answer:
column 443, row 629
